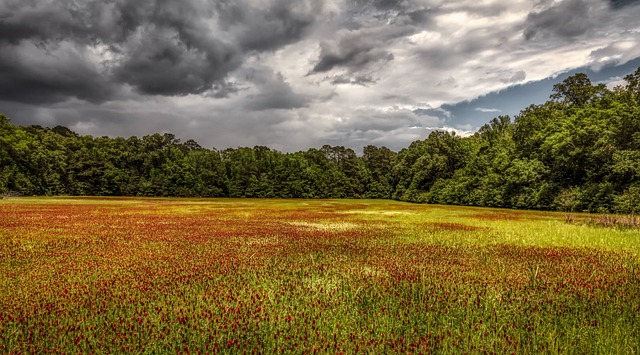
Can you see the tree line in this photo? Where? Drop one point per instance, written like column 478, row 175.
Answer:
column 579, row 151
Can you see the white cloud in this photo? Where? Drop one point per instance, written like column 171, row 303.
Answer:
column 482, row 109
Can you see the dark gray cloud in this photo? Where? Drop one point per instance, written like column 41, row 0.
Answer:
column 518, row 76
column 388, row 4
column 359, row 79
column 619, row 4
column 565, row 19
column 272, row 92
column 390, row 12
column 444, row 55
column 30, row 74
column 352, row 52
column 383, row 5
column 156, row 47
column 162, row 62
column 225, row 89
column 37, row 21
column 368, row 28
column 357, row 53
column 263, row 29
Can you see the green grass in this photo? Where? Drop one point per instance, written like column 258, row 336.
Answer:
column 87, row 275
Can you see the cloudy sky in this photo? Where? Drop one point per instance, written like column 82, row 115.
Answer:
column 293, row 75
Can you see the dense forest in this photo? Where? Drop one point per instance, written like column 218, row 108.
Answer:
column 579, row 151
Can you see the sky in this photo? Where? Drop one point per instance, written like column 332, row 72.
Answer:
column 294, row 75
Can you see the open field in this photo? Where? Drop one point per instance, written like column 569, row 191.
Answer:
column 200, row 276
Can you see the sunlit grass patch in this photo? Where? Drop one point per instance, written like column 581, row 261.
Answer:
column 380, row 213
column 331, row 226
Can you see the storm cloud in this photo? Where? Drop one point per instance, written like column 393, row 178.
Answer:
column 271, row 92
column 618, row 4
column 293, row 75
column 157, row 47
column 566, row 19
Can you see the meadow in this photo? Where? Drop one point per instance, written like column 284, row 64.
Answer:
column 152, row 276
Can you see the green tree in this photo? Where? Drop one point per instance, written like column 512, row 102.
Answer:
column 577, row 90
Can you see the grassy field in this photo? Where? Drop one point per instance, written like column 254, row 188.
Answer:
column 303, row 276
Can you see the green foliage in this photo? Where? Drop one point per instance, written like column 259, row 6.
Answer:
column 628, row 201
column 577, row 90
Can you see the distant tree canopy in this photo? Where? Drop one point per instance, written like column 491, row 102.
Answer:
column 579, row 151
